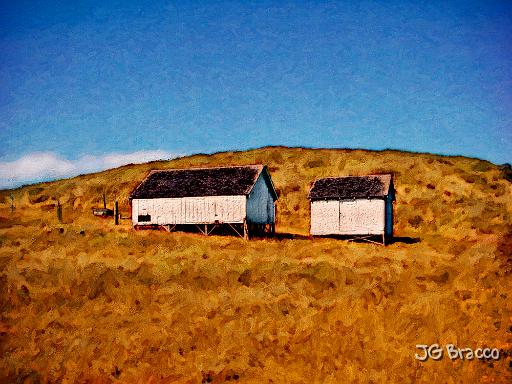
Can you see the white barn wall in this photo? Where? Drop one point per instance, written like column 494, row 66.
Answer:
column 348, row 217
column 260, row 203
column 190, row 210
column 325, row 217
column 362, row 217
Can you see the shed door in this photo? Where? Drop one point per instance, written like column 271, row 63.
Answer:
column 210, row 214
column 348, row 217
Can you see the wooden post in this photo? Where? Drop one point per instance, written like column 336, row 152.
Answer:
column 206, row 229
column 116, row 213
column 104, row 201
column 246, row 230
column 12, row 203
column 59, row 212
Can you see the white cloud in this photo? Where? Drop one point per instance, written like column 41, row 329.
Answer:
column 43, row 166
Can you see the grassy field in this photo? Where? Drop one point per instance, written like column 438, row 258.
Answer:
column 88, row 301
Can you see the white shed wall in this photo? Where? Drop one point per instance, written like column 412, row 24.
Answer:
column 348, row 217
column 260, row 204
column 190, row 210
column 325, row 217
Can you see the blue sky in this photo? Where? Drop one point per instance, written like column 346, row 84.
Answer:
column 92, row 84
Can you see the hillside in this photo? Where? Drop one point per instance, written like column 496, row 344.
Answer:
column 87, row 300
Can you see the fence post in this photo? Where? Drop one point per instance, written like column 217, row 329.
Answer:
column 12, row 203
column 59, row 212
column 116, row 213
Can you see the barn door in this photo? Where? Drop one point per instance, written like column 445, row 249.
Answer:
column 213, row 212
column 348, row 217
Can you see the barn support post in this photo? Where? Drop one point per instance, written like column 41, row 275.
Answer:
column 246, row 230
column 206, row 229
column 169, row 227
column 211, row 229
column 384, row 239
column 233, row 227
column 200, row 229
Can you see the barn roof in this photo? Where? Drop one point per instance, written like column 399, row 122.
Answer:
column 195, row 182
column 351, row 187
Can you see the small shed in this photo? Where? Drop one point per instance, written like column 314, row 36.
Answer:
column 239, row 197
column 359, row 206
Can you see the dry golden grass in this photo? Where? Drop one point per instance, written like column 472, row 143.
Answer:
column 86, row 301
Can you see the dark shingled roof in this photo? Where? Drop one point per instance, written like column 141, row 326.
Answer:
column 351, row 187
column 193, row 182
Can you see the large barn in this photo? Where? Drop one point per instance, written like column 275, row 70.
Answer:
column 241, row 198
column 359, row 206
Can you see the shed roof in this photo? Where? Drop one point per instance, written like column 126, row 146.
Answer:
column 351, row 187
column 195, row 182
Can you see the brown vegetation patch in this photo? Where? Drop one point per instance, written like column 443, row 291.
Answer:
column 86, row 301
